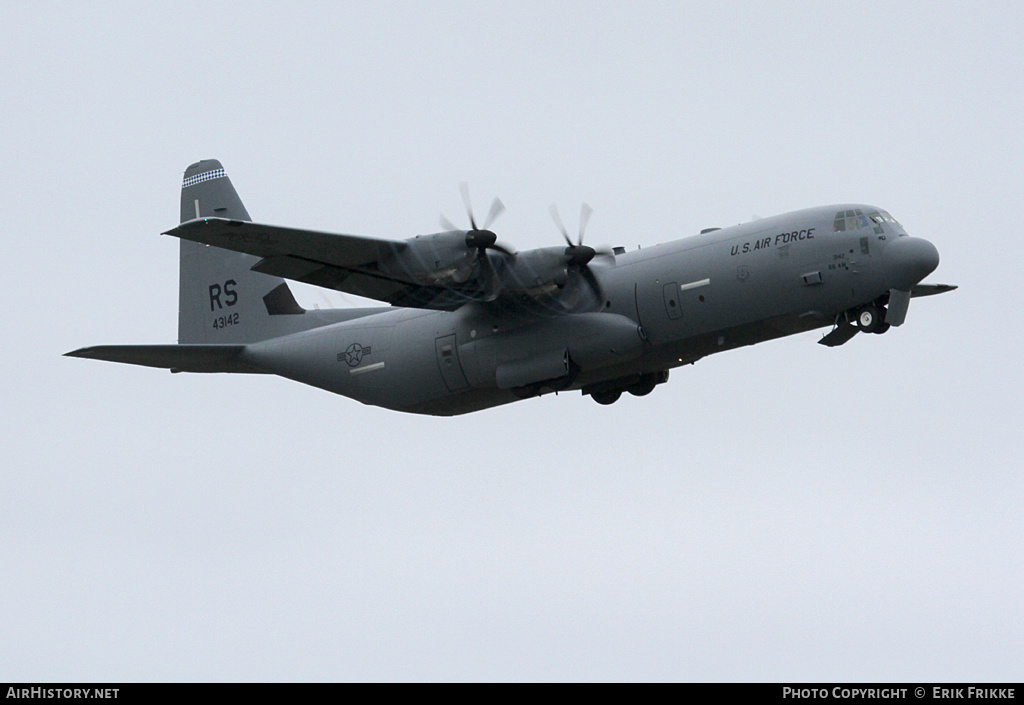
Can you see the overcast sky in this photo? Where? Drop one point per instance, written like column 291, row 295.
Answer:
column 781, row 512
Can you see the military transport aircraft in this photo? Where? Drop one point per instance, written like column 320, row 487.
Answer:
column 473, row 324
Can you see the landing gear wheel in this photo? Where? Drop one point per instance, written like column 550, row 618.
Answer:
column 606, row 397
column 642, row 388
column 869, row 319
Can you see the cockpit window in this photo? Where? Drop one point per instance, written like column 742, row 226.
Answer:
column 849, row 220
column 856, row 219
column 877, row 219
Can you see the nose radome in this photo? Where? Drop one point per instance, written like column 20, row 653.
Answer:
column 911, row 259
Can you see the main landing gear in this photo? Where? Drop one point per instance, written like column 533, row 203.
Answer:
column 637, row 385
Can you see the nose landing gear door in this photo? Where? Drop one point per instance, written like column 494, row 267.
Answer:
column 448, row 361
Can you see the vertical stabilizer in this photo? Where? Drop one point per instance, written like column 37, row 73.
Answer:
column 220, row 300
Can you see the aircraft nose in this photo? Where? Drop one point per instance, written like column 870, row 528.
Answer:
column 910, row 260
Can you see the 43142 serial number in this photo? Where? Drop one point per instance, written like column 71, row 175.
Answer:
column 225, row 321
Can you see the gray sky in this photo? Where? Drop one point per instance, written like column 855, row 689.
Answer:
column 782, row 512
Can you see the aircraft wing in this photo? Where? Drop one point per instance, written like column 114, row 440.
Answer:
column 349, row 263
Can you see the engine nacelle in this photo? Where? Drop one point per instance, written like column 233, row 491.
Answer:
column 440, row 259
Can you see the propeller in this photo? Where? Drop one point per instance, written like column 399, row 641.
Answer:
column 578, row 255
column 477, row 237
column 481, row 239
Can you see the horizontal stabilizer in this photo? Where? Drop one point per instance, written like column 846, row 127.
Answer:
column 176, row 358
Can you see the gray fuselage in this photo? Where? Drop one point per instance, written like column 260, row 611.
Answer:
column 664, row 306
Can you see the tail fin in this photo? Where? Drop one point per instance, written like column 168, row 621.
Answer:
column 220, row 300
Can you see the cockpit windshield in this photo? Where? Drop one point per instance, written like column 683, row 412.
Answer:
column 856, row 219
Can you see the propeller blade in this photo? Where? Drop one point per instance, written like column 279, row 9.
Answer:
column 497, row 208
column 488, row 278
column 448, row 225
column 464, row 189
column 595, row 286
column 464, row 269
column 585, row 212
column 502, row 249
column 580, row 290
column 558, row 221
